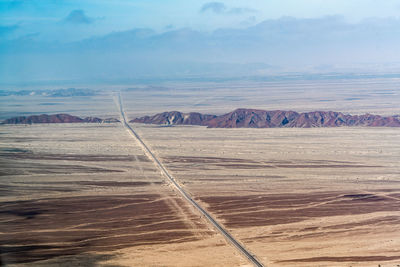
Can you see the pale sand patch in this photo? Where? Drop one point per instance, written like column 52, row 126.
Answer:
column 212, row 251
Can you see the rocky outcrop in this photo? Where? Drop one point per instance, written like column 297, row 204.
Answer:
column 93, row 120
column 176, row 118
column 56, row 118
column 254, row 118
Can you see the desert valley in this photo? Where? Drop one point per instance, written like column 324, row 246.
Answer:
column 322, row 189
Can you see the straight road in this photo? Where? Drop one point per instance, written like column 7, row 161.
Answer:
column 185, row 195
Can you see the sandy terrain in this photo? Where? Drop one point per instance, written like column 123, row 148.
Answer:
column 86, row 193
column 303, row 197
column 354, row 96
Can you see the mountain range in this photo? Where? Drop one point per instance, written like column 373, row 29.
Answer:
column 254, row 118
column 239, row 118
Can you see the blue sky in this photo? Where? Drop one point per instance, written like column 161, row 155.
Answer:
column 47, row 18
column 92, row 40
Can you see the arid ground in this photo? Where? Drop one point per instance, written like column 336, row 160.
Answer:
column 86, row 193
column 303, row 197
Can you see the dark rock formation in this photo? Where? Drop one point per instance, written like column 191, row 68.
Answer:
column 92, row 119
column 253, row 118
column 56, row 118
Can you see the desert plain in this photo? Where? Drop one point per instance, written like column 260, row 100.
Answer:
column 87, row 194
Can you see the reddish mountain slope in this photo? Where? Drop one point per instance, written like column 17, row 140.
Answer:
column 253, row 118
column 56, row 118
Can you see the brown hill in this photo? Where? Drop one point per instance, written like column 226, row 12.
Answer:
column 56, row 118
column 253, row 118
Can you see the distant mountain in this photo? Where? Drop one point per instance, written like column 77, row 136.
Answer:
column 70, row 92
column 56, row 118
column 253, row 118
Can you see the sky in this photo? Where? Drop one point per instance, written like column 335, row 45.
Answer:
column 55, row 20
column 189, row 37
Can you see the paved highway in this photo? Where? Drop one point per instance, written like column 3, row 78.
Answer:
column 185, row 195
